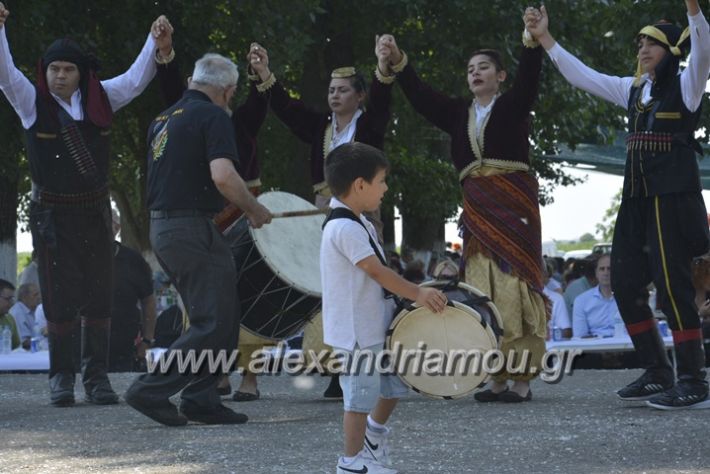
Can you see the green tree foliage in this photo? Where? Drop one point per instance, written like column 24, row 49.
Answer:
column 606, row 227
column 306, row 39
column 587, row 238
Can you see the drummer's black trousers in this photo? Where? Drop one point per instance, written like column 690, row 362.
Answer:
column 199, row 262
column 656, row 239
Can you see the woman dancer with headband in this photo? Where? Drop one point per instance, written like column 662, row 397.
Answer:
column 501, row 217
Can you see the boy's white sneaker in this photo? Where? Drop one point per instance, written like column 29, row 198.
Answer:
column 377, row 445
column 363, row 464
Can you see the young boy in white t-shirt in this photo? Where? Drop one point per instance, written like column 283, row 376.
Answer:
column 355, row 312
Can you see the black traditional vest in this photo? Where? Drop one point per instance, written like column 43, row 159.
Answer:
column 661, row 146
column 51, row 165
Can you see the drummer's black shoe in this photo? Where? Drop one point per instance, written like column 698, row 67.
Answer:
column 163, row 411
column 687, row 394
column 334, row 392
column 220, row 415
column 489, row 395
column 649, row 384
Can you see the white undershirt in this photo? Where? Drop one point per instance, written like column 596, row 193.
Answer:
column 346, row 134
column 481, row 114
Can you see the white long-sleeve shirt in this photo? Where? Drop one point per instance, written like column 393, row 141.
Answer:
column 617, row 90
column 21, row 93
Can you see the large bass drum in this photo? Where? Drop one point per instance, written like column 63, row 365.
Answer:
column 278, row 279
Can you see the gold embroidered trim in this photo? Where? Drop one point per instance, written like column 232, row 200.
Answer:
column 505, row 165
column 327, row 138
column 251, row 75
column 343, row 72
column 397, row 68
column 668, row 115
column 46, row 135
column 529, row 41
column 267, row 84
column 167, row 60
column 384, row 78
column 476, row 147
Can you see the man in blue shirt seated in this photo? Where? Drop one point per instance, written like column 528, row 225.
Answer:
column 595, row 311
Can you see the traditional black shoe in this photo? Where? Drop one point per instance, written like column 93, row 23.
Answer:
column 646, row 386
column 61, row 389
column 101, row 394
column 334, row 392
column 221, row 415
column 245, row 396
column 685, row 395
column 510, row 396
column 163, row 412
column 489, row 395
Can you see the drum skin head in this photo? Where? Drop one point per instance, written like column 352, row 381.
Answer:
column 458, row 327
column 291, row 245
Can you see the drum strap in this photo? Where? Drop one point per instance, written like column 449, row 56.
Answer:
column 345, row 213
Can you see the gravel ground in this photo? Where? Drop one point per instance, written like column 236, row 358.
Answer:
column 576, row 426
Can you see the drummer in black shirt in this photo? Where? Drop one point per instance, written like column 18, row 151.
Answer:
column 191, row 170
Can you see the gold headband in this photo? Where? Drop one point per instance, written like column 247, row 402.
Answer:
column 658, row 35
column 655, row 33
column 343, row 72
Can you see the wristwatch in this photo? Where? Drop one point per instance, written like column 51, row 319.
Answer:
column 150, row 342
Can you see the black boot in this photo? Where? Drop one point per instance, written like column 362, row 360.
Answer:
column 692, row 388
column 658, row 376
column 95, row 335
column 61, row 364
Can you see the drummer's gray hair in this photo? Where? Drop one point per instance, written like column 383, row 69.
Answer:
column 215, row 70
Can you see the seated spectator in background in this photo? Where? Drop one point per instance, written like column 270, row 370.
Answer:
column 586, row 281
column 23, row 311
column 29, row 273
column 132, row 285
column 7, row 296
column 168, row 327
column 595, row 311
column 395, row 263
column 552, row 284
column 560, row 316
column 41, row 319
column 414, row 272
column 559, row 264
column 572, row 271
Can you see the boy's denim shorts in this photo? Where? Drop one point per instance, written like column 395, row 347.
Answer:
column 362, row 388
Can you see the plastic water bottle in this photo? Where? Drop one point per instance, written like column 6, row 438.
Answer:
column 36, row 337
column 6, row 340
column 556, row 334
